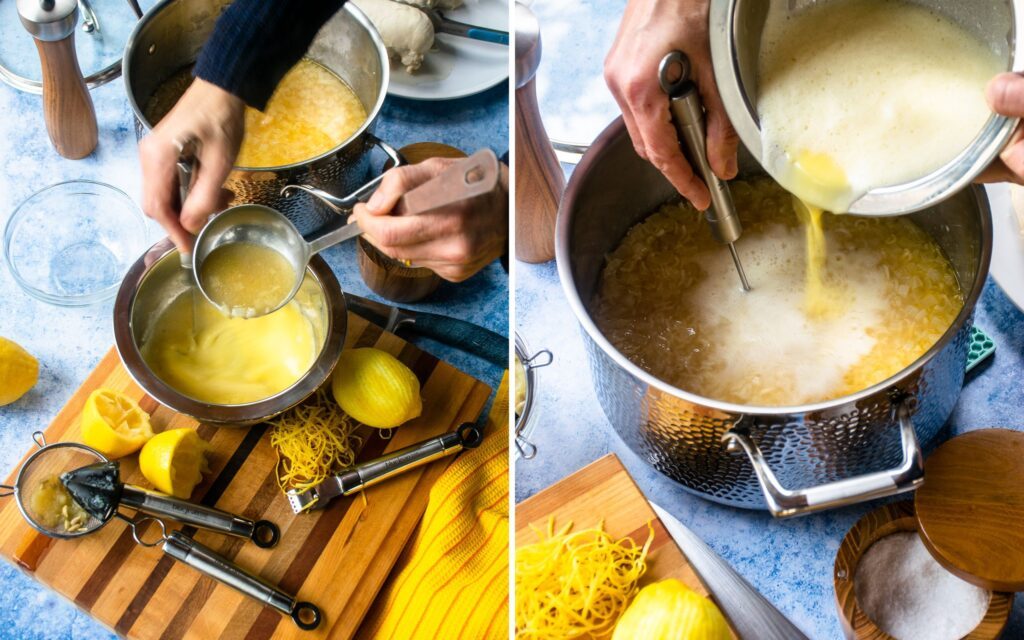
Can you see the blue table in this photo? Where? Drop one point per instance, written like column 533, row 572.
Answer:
column 70, row 342
column 789, row 561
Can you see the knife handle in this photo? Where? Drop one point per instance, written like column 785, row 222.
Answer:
column 465, row 336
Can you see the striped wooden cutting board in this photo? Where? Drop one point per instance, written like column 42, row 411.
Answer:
column 337, row 558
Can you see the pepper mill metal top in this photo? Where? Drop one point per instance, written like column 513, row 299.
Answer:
column 527, row 44
column 48, row 20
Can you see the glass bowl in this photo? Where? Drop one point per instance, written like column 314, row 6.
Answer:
column 70, row 244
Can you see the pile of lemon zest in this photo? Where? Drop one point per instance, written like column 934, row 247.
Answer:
column 570, row 585
column 313, row 441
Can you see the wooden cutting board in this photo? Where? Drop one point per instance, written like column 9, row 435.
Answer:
column 604, row 490
column 337, row 557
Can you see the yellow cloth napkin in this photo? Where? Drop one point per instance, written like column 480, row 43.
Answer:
column 451, row 581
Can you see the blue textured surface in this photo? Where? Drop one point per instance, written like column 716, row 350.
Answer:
column 790, row 561
column 70, row 342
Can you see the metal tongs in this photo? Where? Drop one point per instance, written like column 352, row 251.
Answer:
column 688, row 117
column 98, row 487
column 366, row 474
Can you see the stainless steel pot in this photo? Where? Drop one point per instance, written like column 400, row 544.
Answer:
column 169, row 38
column 791, row 460
column 736, row 26
column 157, row 279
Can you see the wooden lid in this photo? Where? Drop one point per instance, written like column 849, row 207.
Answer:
column 970, row 509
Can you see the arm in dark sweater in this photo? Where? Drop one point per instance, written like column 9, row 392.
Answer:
column 255, row 42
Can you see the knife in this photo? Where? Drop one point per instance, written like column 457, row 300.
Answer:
column 462, row 335
column 749, row 613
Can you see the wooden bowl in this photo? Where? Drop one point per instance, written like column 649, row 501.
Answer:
column 392, row 279
column 887, row 520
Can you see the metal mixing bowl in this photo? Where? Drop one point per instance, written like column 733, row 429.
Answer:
column 790, row 460
column 735, row 30
column 157, row 279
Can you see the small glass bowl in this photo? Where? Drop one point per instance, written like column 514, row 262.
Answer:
column 70, row 244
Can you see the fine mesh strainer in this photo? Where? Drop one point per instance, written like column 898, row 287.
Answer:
column 49, row 508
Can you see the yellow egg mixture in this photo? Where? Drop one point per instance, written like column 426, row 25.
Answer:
column 214, row 358
column 668, row 300
column 859, row 94
column 245, row 279
column 311, row 112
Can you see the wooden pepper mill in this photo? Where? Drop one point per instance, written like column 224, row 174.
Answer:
column 67, row 105
column 539, row 178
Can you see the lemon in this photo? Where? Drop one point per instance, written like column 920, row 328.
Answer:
column 174, row 461
column 375, row 388
column 114, row 424
column 18, row 371
column 669, row 610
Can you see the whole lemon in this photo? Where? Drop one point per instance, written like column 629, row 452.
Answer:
column 375, row 388
column 669, row 610
column 19, row 371
column 174, row 461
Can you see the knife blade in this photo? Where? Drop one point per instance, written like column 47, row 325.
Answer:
column 462, row 335
column 749, row 613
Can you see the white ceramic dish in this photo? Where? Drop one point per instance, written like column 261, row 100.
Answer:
column 458, row 67
column 1008, row 244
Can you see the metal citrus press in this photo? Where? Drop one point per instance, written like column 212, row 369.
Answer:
column 99, row 484
column 688, row 117
column 49, row 509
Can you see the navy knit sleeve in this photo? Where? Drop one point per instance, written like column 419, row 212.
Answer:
column 255, row 42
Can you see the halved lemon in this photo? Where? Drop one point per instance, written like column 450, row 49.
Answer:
column 175, row 461
column 114, row 424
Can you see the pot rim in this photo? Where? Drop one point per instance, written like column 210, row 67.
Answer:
column 371, row 114
column 891, row 200
column 611, row 135
column 235, row 414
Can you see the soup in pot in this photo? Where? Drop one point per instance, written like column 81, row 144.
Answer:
column 311, row 112
column 669, row 301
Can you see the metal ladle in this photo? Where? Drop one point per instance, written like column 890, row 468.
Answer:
column 259, row 225
column 688, row 117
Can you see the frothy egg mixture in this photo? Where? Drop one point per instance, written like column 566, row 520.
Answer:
column 859, row 94
column 667, row 299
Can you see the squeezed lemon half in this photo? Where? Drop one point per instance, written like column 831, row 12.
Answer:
column 375, row 388
column 175, row 461
column 19, row 371
column 114, row 424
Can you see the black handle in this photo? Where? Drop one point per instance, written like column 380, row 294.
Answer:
column 466, row 336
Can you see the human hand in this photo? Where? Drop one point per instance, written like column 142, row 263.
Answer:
column 649, row 30
column 214, row 120
column 454, row 242
column 1005, row 95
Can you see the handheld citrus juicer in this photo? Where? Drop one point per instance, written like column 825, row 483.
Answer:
column 688, row 117
column 260, row 225
column 62, row 493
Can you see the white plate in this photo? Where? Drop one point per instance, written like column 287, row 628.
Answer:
column 458, row 67
column 1008, row 246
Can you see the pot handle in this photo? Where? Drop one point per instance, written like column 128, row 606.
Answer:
column 784, row 503
column 344, row 205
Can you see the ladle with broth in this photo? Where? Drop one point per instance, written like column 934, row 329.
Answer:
column 250, row 259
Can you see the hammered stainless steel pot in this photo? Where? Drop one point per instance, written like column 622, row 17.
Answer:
column 735, row 34
column 156, row 280
column 791, row 460
column 169, row 37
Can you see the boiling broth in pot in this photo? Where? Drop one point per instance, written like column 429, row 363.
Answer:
column 311, row 112
column 668, row 300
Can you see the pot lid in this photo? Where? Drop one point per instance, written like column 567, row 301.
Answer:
column 971, row 506
column 100, row 37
